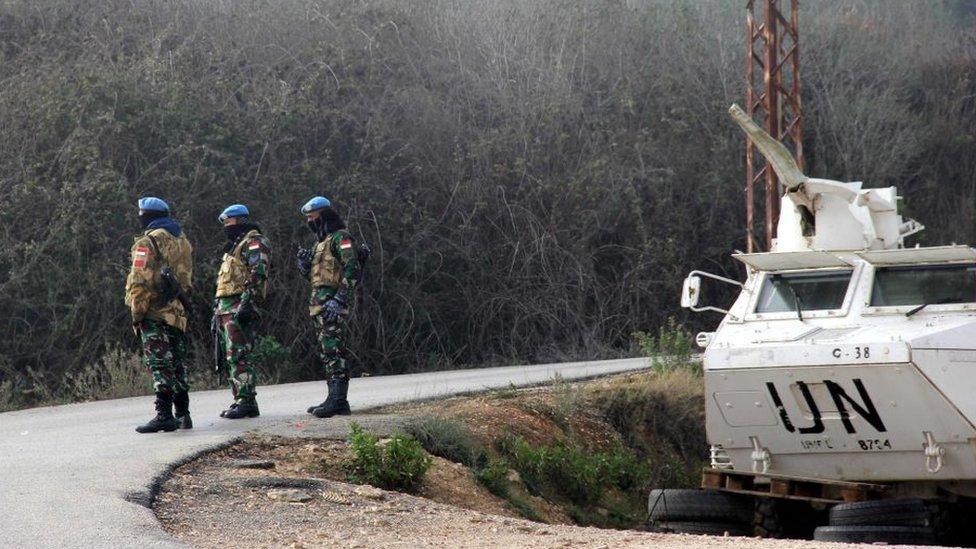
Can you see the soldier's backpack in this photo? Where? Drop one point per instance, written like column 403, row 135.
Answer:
column 170, row 286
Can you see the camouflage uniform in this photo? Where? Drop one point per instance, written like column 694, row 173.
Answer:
column 164, row 352
column 160, row 326
column 335, row 268
column 243, row 278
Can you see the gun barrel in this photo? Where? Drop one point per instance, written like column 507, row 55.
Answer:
column 775, row 153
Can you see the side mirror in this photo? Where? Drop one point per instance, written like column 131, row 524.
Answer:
column 691, row 291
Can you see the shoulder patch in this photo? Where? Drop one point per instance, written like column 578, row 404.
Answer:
column 345, row 243
column 139, row 257
column 254, row 245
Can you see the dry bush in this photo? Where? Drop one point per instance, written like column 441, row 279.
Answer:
column 118, row 374
column 535, row 177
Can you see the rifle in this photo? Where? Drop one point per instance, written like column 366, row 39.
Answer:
column 218, row 349
column 171, row 287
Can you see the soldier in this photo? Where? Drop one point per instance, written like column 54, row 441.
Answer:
column 162, row 269
column 333, row 269
column 242, row 285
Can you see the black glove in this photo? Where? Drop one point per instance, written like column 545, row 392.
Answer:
column 304, row 261
column 334, row 306
column 247, row 312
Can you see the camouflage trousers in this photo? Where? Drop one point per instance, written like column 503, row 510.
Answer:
column 332, row 345
column 164, row 353
column 237, row 339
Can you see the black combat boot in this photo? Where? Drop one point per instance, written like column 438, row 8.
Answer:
column 181, row 402
column 164, row 420
column 336, row 403
column 223, row 413
column 240, row 410
column 325, row 403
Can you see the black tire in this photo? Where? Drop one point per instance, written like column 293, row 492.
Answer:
column 703, row 528
column 699, row 506
column 882, row 512
column 895, row 535
column 782, row 518
column 767, row 521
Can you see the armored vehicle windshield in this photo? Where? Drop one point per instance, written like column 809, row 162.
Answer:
column 815, row 291
column 923, row 284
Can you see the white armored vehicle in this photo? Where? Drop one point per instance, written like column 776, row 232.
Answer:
column 845, row 371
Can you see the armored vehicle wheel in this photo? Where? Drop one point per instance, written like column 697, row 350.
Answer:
column 896, row 535
column 781, row 518
column 704, row 528
column 699, row 505
column 883, row 512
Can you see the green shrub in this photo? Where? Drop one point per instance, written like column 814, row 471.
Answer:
column 270, row 357
column 673, row 348
column 574, row 471
column 646, row 343
column 446, row 438
column 625, row 469
column 494, row 477
column 399, row 464
column 530, row 462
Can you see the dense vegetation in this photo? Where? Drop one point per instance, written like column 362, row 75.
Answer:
column 535, row 176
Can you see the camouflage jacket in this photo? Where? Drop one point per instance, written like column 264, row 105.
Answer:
column 143, row 285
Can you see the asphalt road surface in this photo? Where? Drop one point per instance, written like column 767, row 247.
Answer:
column 69, row 475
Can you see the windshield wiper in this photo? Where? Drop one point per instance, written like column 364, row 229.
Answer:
column 797, row 303
column 916, row 309
column 942, row 301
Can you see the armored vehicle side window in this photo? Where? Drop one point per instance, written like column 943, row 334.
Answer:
column 816, row 291
column 920, row 284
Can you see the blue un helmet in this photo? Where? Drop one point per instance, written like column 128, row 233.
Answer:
column 153, row 204
column 234, row 210
column 316, row 203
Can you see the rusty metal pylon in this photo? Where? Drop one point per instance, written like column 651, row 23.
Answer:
column 773, row 101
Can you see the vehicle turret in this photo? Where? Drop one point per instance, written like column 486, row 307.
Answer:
column 822, row 214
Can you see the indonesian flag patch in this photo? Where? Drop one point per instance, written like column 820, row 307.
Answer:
column 345, row 244
column 255, row 245
column 139, row 257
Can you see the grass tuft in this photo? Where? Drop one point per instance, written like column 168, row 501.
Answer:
column 448, row 439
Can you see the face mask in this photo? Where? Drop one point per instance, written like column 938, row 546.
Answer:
column 234, row 231
column 145, row 218
column 315, row 226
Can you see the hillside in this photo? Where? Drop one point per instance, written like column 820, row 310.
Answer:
column 535, row 177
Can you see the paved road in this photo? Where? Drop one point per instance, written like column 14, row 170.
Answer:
column 65, row 471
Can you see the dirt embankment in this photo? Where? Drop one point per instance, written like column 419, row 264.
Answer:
column 219, row 502
column 513, row 455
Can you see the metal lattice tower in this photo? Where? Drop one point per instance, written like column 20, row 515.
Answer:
column 773, row 101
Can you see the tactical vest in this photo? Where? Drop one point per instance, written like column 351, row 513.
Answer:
column 233, row 275
column 326, row 267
